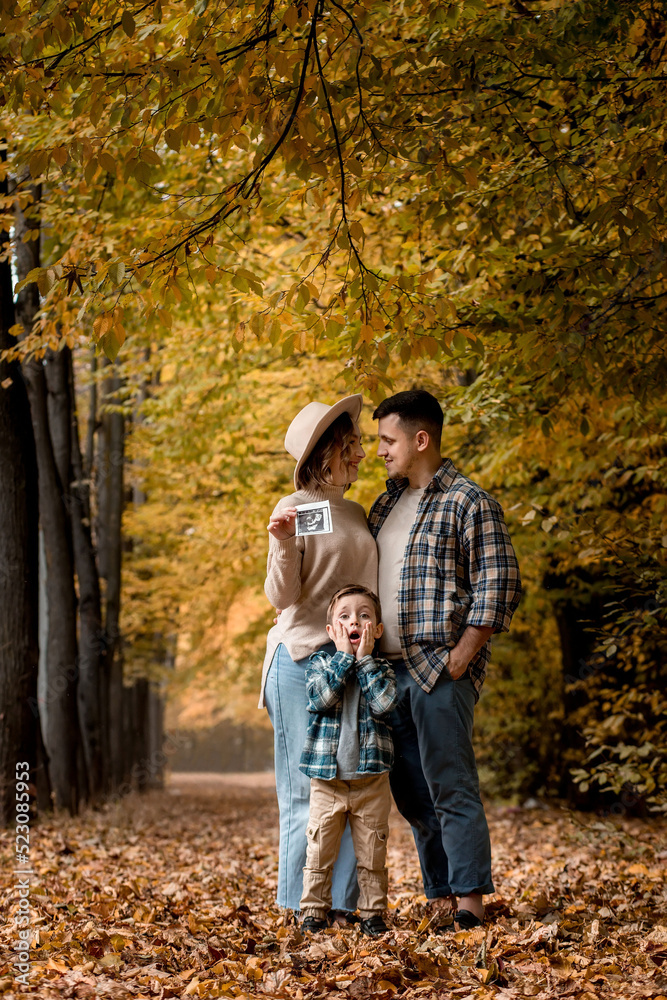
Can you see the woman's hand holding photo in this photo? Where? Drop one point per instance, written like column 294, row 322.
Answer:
column 283, row 525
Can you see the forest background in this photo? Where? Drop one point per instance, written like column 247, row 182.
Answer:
column 247, row 206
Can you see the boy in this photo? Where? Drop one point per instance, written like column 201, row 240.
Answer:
column 348, row 755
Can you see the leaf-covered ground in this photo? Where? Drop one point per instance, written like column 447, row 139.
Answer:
column 171, row 895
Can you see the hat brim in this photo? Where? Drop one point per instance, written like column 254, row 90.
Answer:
column 350, row 404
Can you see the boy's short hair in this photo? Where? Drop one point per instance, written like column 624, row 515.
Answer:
column 355, row 588
column 416, row 409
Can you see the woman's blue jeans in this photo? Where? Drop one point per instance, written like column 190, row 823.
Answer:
column 287, row 702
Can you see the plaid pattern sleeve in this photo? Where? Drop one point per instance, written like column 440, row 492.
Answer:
column 325, row 679
column 378, row 685
column 459, row 569
column 493, row 568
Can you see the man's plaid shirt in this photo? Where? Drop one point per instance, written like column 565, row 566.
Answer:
column 326, row 677
column 459, row 569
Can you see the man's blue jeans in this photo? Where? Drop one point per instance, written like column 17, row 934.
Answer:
column 434, row 783
column 287, row 704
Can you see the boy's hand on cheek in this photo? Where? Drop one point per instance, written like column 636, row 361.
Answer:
column 338, row 633
column 365, row 647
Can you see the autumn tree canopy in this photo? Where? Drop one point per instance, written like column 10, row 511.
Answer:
column 471, row 168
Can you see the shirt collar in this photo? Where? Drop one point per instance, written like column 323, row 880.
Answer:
column 441, row 481
column 395, row 486
column 444, row 477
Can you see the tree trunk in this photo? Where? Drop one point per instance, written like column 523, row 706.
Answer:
column 42, row 681
column 131, row 734
column 111, row 445
column 97, row 462
column 62, row 727
column 91, row 426
column 91, row 636
column 18, row 563
column 155, row 727
column 141, row 762
column 59, row 407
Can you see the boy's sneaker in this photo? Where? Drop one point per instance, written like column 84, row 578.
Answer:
column 374, row 926
column 313, row 924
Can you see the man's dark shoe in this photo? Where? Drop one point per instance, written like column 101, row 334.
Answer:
column 313, row 924
column 373, row 926
column 467, row 920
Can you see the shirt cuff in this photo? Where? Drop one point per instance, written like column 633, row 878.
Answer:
column 490, row 615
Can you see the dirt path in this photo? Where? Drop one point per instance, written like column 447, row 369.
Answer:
column 233, row 783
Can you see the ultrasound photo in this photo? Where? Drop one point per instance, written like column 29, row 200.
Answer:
column 313, row 518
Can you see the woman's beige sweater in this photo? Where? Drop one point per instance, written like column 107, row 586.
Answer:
column 303, row 573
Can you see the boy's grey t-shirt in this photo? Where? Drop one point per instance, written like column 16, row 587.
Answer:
column 347, row 758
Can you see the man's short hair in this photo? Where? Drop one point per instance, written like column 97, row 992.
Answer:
column 417, row 410
column 355, row 588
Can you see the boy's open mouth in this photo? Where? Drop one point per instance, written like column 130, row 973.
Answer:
column 354, row 636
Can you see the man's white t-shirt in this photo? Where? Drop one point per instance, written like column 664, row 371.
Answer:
column 391, row 541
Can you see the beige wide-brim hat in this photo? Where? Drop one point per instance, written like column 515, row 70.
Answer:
column 310, row 424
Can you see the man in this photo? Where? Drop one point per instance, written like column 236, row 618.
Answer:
column 448, row 579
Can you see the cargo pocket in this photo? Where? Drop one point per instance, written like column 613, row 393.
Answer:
column 370, row 845
column 380, row 847
column 313, row 848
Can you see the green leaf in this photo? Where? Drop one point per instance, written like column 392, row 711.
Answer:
column 343, row 240
column 116, row 271
column 172, row 137
column 111, row 344
column 46, row 279
column 107, row 162
column 288, row 346
column 128, row 23
column 38, row 163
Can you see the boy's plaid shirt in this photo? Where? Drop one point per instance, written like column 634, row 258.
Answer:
column 459, row 569
column 326, row 677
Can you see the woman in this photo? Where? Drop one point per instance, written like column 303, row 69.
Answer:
column 303, row 572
